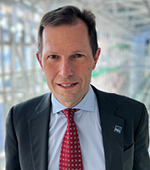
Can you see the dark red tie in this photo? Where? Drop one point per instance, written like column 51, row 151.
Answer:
column 70, row 156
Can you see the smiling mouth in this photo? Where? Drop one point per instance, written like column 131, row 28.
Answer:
column 67, row 85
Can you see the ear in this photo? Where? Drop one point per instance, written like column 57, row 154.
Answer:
column 96, row 57
column 39, row 59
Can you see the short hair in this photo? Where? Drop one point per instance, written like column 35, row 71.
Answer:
column 68, row 15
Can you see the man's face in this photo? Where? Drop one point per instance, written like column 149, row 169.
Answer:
column 67, row 62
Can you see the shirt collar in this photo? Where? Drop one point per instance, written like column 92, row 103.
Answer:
column 87, row 103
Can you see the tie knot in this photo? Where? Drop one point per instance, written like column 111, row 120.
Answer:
column 69, row 113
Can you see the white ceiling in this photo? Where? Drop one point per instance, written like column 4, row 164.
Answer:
column 118, row 17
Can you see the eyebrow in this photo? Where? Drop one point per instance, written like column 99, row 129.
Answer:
column 52, row 52
column 78, row 51
column 73, row 52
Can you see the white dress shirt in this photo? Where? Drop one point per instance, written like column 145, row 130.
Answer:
column 90, row 135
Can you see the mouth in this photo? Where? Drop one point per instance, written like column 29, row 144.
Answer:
column 67, row 85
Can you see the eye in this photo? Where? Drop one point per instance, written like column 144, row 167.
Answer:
column 78, row 55
column 53, row 56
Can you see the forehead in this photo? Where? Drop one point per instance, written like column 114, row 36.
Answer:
column 74, row 31
column 65, row 39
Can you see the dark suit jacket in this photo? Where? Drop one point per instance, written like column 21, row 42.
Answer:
column 27, row 127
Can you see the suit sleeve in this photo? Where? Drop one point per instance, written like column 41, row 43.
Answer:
column 11, row 145
column 141, row 155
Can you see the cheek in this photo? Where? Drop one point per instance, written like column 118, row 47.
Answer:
column 48, row 68
column 49, row 73
column 90, row 67
column 86, row 73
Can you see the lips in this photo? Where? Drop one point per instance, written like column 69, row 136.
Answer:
column 67, row 85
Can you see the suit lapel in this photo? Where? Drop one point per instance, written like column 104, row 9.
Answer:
column 113, row 141
column 38, row 131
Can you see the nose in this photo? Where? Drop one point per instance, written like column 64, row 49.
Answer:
column 66, row 68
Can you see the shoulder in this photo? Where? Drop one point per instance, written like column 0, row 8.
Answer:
column 27, row 108
column 132, row 111
column 30, row 103
column 118, row 99
column 126, row 107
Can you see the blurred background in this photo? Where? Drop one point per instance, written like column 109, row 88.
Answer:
column 123, row 33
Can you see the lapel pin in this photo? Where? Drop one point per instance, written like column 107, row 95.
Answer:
column 118, row 129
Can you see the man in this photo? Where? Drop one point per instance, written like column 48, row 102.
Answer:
column 111, row 130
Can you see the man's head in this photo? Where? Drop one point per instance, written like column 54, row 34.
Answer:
column 68, row 15
column 67, row 60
